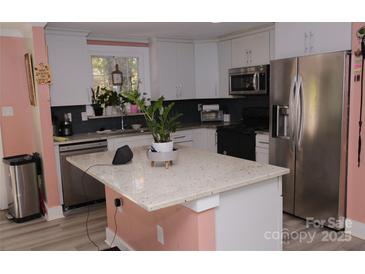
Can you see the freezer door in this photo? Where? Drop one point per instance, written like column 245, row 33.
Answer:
column 322, row 131
column 282, row 116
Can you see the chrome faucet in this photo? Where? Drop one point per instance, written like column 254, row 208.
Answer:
column 122, row 112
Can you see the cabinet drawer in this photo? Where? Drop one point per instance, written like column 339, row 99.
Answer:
column 262, row 140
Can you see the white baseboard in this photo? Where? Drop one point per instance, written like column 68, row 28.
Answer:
column 355, row 228
column 54, row 213
column 122, row 245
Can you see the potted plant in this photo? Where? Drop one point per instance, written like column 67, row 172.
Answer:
column 158, row 118
column 111, row 100
column 97, row 101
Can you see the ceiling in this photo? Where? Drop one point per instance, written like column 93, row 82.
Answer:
column 183, row 30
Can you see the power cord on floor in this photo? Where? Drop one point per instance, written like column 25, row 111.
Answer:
column 87, row 200
column 116, row 226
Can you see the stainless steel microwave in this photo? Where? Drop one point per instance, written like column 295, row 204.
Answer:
column 249, row 80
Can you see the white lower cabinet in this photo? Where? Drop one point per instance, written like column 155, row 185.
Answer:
column 205, row 138
column 262, row 148
column 132, row 141
column 201, row 138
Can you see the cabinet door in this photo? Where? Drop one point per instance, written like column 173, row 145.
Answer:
column 206, row 70
column 262, row 155
column 185, row 71
column 240, row 52
column 211, row 139
column 259, row 48
column 290, row 40
column 225, row 63
column 199, row 138
column 167, row 65
column 328, row 37
column 251, row 50
column 71, row 70
column 299, row 39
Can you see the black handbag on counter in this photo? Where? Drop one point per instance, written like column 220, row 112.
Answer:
column 123, row 155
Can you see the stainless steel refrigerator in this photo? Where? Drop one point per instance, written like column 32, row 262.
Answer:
column 308, row 133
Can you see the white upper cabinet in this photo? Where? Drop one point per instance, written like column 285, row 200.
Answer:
column 251, row 50
column 185, row 71
column 172, row 66
column 206, row 70
column 71, row 68
column 298, row 39
column 225, row 63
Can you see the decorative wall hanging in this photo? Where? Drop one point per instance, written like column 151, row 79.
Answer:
column 117, row 77
column 30, row 78
column 43, row 74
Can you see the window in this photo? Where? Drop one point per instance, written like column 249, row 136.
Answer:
column 103, row 66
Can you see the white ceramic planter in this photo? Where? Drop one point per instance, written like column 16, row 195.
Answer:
column 163, row 147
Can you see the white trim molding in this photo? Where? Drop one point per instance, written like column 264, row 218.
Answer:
column 54, row 213
column 121, row 244
column 355, row 228
column 203, row 204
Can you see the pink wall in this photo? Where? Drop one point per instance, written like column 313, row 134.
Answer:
column 183, row 228
column 43, row 93
column 16, row 130
column 356, row 175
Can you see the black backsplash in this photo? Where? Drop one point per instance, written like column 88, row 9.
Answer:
column 189, row 108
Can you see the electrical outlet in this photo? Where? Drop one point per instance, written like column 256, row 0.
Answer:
column 160, row 236
column 7, row 111
column 84, row 116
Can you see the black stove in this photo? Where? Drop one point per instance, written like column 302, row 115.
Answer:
column 239, row 140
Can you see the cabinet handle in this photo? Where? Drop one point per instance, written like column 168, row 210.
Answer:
column 305, row 42
column 310, row 41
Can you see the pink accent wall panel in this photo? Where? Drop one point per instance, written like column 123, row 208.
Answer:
column 48, row 155
column 17, row 130
column 183, row 228
column 356, row 175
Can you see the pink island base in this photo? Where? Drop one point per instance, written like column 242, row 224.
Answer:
column 183, row 228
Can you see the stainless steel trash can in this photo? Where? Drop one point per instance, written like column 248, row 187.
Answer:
column 22, row 187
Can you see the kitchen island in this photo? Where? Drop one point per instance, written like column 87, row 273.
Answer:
column 204, row 201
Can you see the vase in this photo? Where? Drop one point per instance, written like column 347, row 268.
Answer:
column 163, row 147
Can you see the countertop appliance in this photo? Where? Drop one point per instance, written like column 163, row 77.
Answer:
column 239, row 140
column 249, row 80
column 308, row 133
column 22, row 187
column 65, row 127
column 72, row 187
column 211, row 113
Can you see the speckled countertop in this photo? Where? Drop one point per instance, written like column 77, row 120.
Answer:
column 93, row 136
column 196, row 174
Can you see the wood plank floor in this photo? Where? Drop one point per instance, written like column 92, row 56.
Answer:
column 322, row 239
column 69, row 234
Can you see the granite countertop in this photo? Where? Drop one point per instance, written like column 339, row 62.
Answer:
column 93, row 136
column 196, row 174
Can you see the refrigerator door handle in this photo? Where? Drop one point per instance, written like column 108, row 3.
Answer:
column 299, row 113
column 292, row 107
